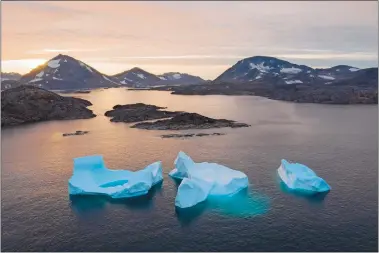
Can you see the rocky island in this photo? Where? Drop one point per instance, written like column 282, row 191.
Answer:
column 138, row 112
column 185, row 120
column 26, row 104
column 170, row 120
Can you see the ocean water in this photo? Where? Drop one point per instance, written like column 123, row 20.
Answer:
column 340, row 143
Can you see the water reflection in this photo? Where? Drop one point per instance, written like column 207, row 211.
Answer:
column 244, row 204
column 83, row 205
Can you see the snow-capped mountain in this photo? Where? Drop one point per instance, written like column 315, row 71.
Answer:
column 65, row 72
column 10, row 76
column 136, row 77
column 277, row 71
column 178, row 78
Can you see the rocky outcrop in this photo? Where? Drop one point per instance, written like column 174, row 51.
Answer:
column 26, row 104
column 187, row 120
column 76, row 133
column 138, row 112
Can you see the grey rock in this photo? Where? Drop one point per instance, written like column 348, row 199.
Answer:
column 27, row 104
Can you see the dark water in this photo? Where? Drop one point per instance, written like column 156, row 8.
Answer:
column 339, row 142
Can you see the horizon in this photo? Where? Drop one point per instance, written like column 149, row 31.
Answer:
column 184, row 37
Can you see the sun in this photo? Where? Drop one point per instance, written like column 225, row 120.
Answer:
column 21, row 66
column 32, row 63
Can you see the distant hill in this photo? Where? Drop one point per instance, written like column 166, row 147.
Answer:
column 10, row 76
column 179, row 78
column 136, row 77
column 139, row 78
column 65, row 72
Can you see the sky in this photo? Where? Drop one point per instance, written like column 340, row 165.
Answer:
column 200, row 38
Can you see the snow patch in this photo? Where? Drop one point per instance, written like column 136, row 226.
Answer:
column 40, row 74
column 176, row 76
column 141, row 76
column 35, row 80
column 326, row 77
column 55, row 78
column 123, row 82
column 54, row 63
column 260, row 67
column 353, row 69
column 162, row 78
column 293, row 81
column 106, row 78
column 291, row 70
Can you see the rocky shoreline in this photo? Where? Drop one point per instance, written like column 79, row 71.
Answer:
column 184, row 121
column 343, row 92
column 27, row 104
column 189, row 135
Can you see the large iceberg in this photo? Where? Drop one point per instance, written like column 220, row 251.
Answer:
column 90, row 176
column 300, row 178
column 201, row 180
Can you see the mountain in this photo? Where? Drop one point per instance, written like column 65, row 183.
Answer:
column 64, row 72
column 178, row 78
column 277, row 71
column 10, row 76
column 136, row 77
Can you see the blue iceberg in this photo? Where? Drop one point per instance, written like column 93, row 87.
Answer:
column 91, row 177
column 200, row 180
column 300, row 178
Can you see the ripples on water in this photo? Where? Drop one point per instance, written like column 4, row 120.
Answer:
column 338, row 142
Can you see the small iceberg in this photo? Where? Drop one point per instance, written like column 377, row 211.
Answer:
column 300, row 178
column 91, row 177
column 200, row 180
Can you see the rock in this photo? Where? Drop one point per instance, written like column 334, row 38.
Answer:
column 82, row 91
column 27, row 104
column 218, row 134
column 187, row 120
column 76, row 133
column 138, row 112
column 202, row 134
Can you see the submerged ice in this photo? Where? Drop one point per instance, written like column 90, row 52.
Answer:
column 299, row 177
column 90, row 176
column 201, row 180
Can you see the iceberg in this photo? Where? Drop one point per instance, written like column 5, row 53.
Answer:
column 91, row 177
column 200, row 180
column 300, row 178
